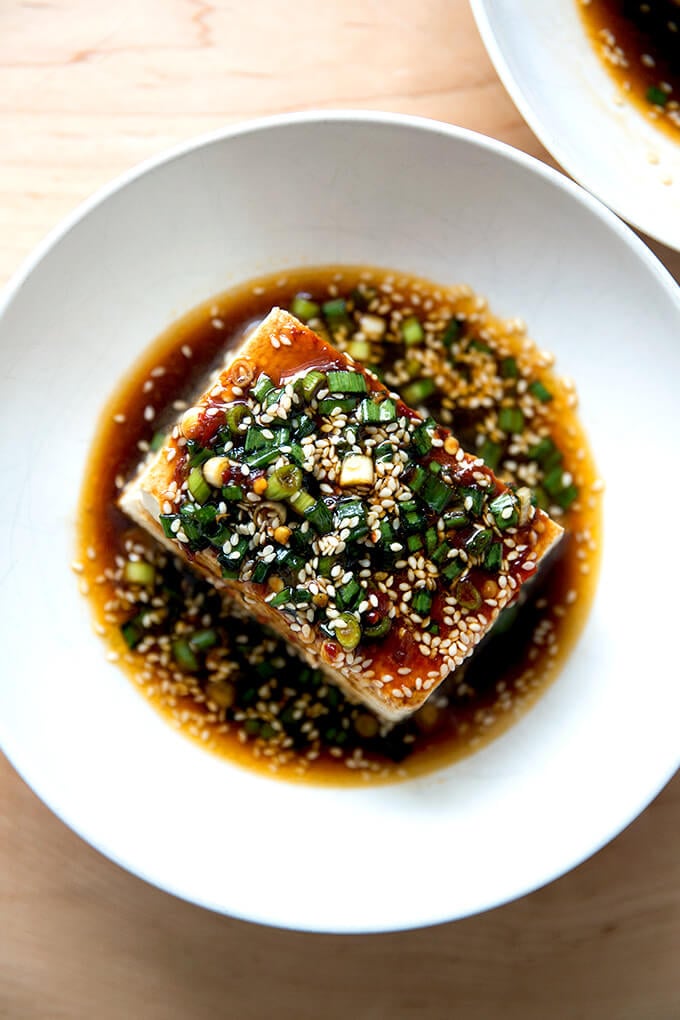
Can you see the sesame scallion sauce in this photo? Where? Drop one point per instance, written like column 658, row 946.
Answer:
column 237, row 688
column 638, row 42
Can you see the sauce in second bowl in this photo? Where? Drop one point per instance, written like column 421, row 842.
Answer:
column 639, row 44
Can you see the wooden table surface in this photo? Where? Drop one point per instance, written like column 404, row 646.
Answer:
column 87, row 89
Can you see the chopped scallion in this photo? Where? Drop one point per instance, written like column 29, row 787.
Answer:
column 436, row 494
column 264, row 457
column 236, row 416
column 411, row 331
column 282, row 598
column 328, row 405
column 255, row 440
column 478, row 543
column 312, row 383
column 490, row 453
column 412, row 520
column 360, row 350
column 198, row 487
column 320, row 517
column 379, row 629
column 511, row 420
column 166, row 522
column 272, row 397
column 540, row 391
column 565, row 497
column 422, row 602
column 541, row 498
column 546, row 453
column 284, row 482
column 304, row 426
column 656, row 96
column 473, row 500
column 383, row 452
column 139, row 572
column 416, row 392
column 455, row 519
column 132, row 631
column 336, row 315
column 422, row 437
column 414, row 543
column 431, row 540
column 441, row 553
column 453, row 569
column 184, row 655
column 371, row 411
column 197, row 454
column 493, row 557
column 204, row 639
column 346, row 382
column 387, row 534
column 347, row 631
column 362, row 296
column 417, row 479
column 452, row 332
column 261, row 572
column 552, row 482
column 505, row 510
column 509, row 369
column 261, row 388
column 467, row 595
column 347, row 509
column 326, row 564
column 349, row 595
column 303, row 308
column 232, row 493
column 289, row 560
column 301, row 501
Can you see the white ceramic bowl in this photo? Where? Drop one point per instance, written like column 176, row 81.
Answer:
column 318, row 188
column 556, row 79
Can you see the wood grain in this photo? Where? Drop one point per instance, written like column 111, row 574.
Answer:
column 87, row 89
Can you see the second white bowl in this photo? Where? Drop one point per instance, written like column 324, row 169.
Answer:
column 548, row 65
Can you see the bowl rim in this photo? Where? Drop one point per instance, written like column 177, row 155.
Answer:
column 14, row 751
column 542, row 130
column 253, row 125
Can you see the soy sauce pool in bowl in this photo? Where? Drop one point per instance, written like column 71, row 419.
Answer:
column 558, row 784
column 238, row 689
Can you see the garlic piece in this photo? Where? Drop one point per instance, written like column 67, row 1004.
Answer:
column 357, row 469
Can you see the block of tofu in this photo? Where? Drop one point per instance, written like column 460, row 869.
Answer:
column 359, row 531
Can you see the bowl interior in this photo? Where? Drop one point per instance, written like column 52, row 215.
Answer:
column 348, row 188
column 549, row 66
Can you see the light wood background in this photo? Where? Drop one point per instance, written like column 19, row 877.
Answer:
column 88, row 88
